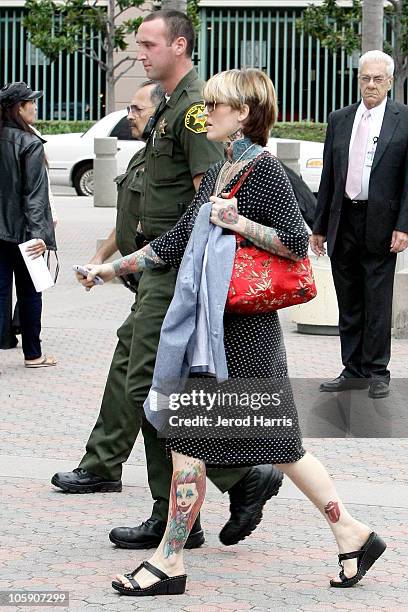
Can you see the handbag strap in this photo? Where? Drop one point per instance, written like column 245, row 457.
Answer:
column 239, row 184
column 245, row 175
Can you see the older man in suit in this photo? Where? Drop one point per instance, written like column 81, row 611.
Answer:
column 362, row 212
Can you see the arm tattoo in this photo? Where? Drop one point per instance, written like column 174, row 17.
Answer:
column 228, row 214
column 144, row 259
column 266, row 238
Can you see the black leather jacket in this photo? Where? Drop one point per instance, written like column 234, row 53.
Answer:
column 25, row 210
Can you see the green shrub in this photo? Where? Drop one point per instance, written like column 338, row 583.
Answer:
column 62, row 127
column 302, row 130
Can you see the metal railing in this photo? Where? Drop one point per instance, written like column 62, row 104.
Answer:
column 74, row 85
column 310, row 80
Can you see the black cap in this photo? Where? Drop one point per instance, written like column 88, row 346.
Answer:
column 12, row 93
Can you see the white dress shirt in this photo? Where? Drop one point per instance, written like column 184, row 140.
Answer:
column 375, row 122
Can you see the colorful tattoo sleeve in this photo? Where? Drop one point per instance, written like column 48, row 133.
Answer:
column 141, row 260
column 266, row 238
column 186, row 497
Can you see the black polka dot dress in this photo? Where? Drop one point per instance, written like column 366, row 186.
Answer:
column 253, row 344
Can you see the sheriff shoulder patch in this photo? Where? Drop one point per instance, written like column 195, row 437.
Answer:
column 195, row 120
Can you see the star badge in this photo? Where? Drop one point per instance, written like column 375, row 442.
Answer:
column 162, row 127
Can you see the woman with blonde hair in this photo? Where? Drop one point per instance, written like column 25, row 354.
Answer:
column 241, row 109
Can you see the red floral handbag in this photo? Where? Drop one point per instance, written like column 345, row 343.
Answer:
column 261, row 281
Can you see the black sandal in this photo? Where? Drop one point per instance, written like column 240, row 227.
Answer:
column 367, row 556
column 174, row 585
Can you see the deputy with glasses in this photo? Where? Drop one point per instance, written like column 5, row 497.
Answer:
column 362, row 212
column 115, row 431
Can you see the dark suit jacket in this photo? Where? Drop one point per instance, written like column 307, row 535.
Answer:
column 388, row 189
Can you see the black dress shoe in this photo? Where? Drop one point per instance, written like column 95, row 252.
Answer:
column 82, row 481
column 150, row 533
column 379, row 389
column 344, row 383
column 247, row 499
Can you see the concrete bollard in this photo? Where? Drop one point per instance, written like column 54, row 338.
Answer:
column 105, row 170
column 400, row 299
column 400, row 304
column 289, row 154
column 321, row 315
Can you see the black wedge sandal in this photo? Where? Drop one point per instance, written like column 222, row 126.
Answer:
column 367, row 556
column 167, row 585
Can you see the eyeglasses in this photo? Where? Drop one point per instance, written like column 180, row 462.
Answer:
column 378, row 80
column 136, row 110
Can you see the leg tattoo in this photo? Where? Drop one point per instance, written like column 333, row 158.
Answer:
column 333, row 511
column 186, row 496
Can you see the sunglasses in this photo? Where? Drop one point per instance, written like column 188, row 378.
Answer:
column 211, row 106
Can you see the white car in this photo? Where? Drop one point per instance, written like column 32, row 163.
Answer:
column 70, row 156
column 310, row 160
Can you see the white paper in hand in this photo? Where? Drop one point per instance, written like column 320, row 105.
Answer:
column 37, row 268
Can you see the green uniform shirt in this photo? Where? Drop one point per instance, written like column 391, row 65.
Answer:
column 176, row 152
column 130, row 186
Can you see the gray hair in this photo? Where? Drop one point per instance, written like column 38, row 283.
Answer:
column 377, row 56
column 156, row 94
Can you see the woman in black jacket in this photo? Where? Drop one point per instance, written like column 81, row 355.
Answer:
column 25, row 213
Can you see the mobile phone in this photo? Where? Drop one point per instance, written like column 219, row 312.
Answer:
column 81, row 270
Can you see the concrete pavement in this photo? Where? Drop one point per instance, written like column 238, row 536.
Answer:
column 59, row 542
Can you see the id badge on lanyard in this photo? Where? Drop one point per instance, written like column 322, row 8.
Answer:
column 372, row 146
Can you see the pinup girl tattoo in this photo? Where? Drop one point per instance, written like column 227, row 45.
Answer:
column 187, row 488
column 333, row 511
column 144, row 259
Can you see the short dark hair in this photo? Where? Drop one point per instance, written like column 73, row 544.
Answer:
column 178, row 24
column 156, row 95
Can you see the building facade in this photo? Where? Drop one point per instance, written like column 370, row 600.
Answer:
column 310, row 80
column 74, row 84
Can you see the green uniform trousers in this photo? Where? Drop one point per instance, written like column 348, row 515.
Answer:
column 130, row 376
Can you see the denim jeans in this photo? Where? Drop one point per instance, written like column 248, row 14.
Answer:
column 29, row 301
